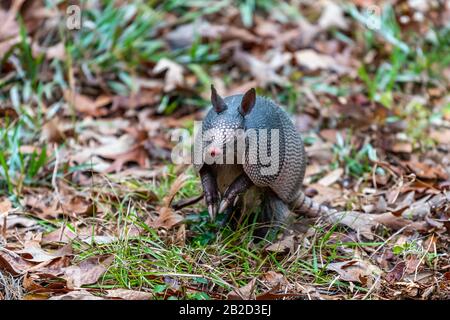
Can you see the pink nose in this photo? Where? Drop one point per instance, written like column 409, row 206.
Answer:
column 214, row 151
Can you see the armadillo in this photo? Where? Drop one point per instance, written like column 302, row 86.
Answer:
column 228, row 175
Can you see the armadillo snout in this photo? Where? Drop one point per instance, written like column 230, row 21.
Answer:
column 214, row 151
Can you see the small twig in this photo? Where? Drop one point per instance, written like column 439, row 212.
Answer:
column 372, row 287
column 5, row 220
column 387, row 240
column 186, row 202
column 55, row 172
column 423, row 257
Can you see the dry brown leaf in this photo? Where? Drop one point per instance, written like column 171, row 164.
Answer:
column 391, row 221
column 38, row 284
column 50, row 205
column 355, row 270
column 312, row 60
column 167, row 219
column 95, row 164
column 174, row 73
column 331, row 177
column 325, row 194
column 332, row 16
column 261, row 70
column 6, row 45
column 402, row 201
column 9, row 29
column 13, row 263
column 27, row 149
column 424, row 206
column 42, row 205
column 52, row 131
column 362, row 223
column 421, row 278
column 114, row 147
column 243, row 35
column 77, row 295
column 88, row 271
column 61, row 235
column 29, row 284
column 129, row 294
column 8, row 112
column 58, row 51
column 266, row 28
column 244, row 293
column 80, row 102
column 142, row 98
column 184, row 36
column 53, row 268
column 401, row 147
column 278, row 59
column 312, row 170
column 13, row 221
column 139, row 173
column 65, row 235
column 396, row 273
column 321, row 152
column 331, row 135
column 98, row 239
column 167, row 216
column 110, row 147
column 179, row 182
column 137, row 154
column 273, row 279
column 286, row 244
column 5, row 206
column 441, row 136
column 76, row 205
column 300, row 37
column 304, row 122
column 412, row 264
column 426, row 171
column 102, row 130
column 33, row 252
column 86, row 105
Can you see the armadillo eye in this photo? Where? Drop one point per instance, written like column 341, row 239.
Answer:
column 210, row 139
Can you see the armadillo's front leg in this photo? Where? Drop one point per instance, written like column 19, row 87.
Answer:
column 210, row 189
column 239, row 185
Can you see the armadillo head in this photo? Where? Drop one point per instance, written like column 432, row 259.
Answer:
column 223, row 126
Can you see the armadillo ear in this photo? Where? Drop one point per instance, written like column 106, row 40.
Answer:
column 248, row 101
column 217, row 101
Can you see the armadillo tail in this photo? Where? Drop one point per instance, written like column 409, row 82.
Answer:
column 306, row 205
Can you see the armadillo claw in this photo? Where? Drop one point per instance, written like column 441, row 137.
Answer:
column 223, row 205
column 212, row 210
